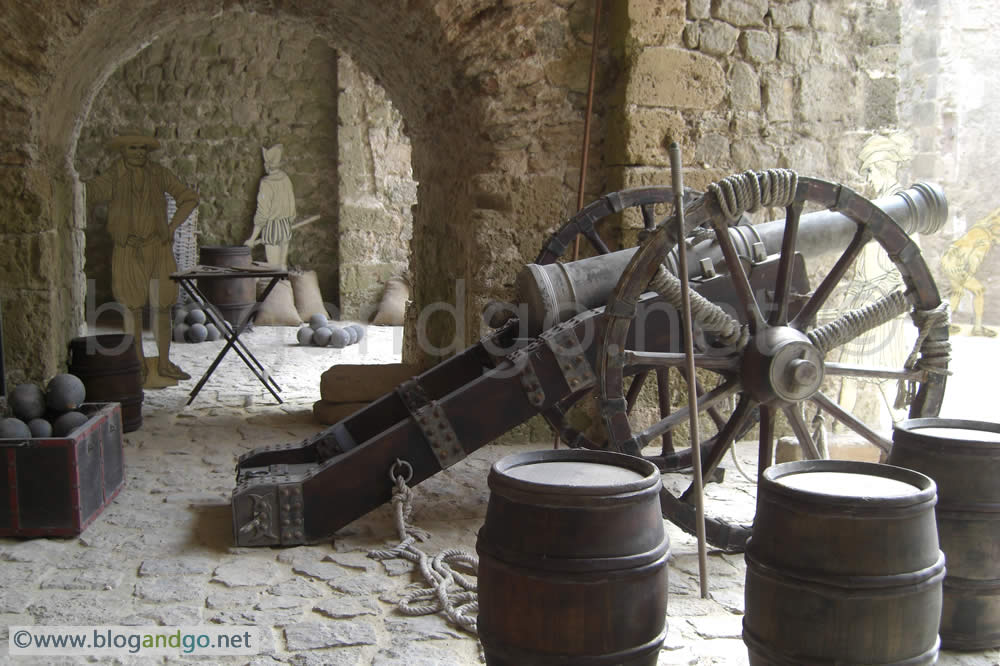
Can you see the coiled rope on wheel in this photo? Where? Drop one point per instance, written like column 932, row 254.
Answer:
column 930, row 356
column 746, row 192
column 736, row 194
column 448, row 591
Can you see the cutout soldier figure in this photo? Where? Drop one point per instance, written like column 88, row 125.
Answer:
column 272, row 222
column 960, row 263
column 142, row 259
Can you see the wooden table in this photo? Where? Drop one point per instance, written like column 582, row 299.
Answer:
column 188, row 281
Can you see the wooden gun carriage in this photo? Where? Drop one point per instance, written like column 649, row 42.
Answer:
column 607, row 324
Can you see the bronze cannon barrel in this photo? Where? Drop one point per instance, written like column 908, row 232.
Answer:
column 555, row 292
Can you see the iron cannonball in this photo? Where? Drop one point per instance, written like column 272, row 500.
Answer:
column 12, row 428
column 318, row 321
column 67, row 423
column 213, row 332
column 305, row 335
column 40, row 428
column 197, row 333
column 339, row 337
column 27, row 401
column 321, row 337
column 196, row 316
column 180, row 332
column 65, row 392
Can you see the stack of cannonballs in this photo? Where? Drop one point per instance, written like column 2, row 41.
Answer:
column 321, row 332
column 191, row 325
column 49, row 413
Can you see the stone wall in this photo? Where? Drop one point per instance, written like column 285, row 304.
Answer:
column 377, row 191
column 751, row 85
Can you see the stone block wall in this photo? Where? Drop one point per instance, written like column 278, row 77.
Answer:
column 750, row 84
column 377, row 191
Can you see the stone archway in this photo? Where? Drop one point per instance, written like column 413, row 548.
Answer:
column 416, row 73
column 491, row 93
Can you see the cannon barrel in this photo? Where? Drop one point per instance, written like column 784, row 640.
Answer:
column 555, row 292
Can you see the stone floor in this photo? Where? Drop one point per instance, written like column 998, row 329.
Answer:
column 163, row 554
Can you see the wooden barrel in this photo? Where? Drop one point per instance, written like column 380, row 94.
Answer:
column 843, row 566
column 963, row 458
column 234, row 297
column 109, row 368
column 572, row 560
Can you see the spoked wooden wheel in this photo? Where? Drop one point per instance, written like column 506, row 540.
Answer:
column 778, row 360
column 654, row 203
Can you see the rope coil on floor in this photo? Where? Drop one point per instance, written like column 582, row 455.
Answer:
column 448, row 591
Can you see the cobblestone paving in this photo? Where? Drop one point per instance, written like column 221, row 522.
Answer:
column 163, row 554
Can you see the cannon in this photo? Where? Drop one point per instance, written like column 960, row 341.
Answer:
column 604, row 325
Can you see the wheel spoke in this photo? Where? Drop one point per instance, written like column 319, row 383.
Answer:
column 633, row 390
column 713, row 397
column 848, row 370
column 725, row 439
column 644, row 359
column 596, row 242
column 851, row 422
column 832, row 279
column 779, row 314
column 663, row 396
column 765, row 445
column 649, row 216
column 741, row 283
column 795, row 419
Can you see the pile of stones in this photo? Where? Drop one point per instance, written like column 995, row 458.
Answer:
column 52, row 412
column 321, row 332
column 191, row 325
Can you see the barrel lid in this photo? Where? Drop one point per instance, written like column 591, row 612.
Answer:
column 847, row 482
column 949, row 431
column 574, row 472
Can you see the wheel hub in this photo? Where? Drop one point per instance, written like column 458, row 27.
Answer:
column 781, row 365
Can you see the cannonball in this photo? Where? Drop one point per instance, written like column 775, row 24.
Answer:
column 27, row 401
column 305, row 335
column 317, row 321
column 14, row 429
column 321, row 336
column 180, row 316
column 197, row 333
column 339, row 337
column 180, row 332
column 196, row 316
column 352, row 335
column 67, row 423
column 213, row 332
column 40, row 428
column 361, row 331
column 65, row 392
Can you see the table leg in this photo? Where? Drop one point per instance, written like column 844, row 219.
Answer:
column 232, row 342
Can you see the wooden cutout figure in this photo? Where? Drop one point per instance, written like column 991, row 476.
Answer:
column 142, row 259
column 272, row 222
column 960, row 263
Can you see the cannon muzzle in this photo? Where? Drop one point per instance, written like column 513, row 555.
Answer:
column 555, row 292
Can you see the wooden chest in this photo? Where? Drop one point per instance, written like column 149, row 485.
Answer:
column 57, row 486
